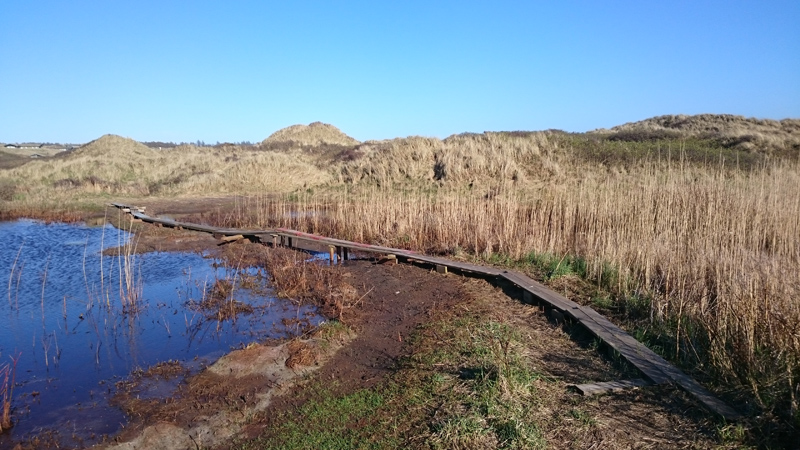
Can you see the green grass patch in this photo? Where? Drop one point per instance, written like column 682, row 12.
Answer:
column 330, row 423
column 554, row 266
column 466, row 385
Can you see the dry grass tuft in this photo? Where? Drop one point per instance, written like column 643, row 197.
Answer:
column 8, row 374
column 297, row 278
column 219, row 303
column 301, row 353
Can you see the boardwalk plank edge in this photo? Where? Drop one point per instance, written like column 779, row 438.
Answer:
column 656, row 369
column 603, row 387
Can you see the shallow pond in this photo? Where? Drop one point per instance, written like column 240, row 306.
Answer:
column 69, row 319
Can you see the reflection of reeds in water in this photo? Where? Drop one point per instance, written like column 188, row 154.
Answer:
column 18, row 272
column 8, row 374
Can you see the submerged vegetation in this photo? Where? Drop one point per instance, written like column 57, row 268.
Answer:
column 691, row 224
column 8, row 375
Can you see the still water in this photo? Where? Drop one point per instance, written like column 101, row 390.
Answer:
column 62, row 319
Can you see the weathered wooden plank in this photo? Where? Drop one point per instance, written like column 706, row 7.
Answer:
column 610, row 386
column 639, row 357
column 537, row 290
column 711, row 402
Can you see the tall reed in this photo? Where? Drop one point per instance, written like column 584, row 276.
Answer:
column 714, row 252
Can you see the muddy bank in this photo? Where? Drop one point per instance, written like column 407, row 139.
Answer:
column 210, row 408
column 227, row 399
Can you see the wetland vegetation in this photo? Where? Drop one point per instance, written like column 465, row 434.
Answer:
column 76, row 322
column 685, row 229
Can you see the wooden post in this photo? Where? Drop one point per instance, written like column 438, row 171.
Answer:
column 527, row 297
column 441, row 269
column 340, row 254
column 274, row 240
column 331, row 250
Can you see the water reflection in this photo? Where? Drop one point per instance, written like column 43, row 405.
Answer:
column 63, row 316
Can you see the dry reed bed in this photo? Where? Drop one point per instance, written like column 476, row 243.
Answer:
column 714, row 252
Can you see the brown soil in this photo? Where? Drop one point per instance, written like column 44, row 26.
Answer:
column 397, row 299
column 403, row 297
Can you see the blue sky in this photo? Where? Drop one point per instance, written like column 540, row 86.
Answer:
column 240, row 70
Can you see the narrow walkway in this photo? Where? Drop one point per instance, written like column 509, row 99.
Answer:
column 654, row 368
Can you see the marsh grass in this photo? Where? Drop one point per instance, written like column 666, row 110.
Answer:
column 296, row 277
column 710, row 253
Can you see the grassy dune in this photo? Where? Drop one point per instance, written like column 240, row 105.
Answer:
column 691, row 224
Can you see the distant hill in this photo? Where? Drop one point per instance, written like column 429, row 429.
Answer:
column 116, row 146
column 702, row 124
column 313, row 134
column 771, row 136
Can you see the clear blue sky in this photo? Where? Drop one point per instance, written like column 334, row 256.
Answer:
column 240, row 70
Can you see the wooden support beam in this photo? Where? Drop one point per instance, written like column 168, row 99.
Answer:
column 388, row 259
column 441, row 268
column 340, row 254
column 228, row 239
column 331, row 252
column 527, row 297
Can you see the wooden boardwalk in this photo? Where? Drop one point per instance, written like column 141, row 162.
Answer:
column 654, row 368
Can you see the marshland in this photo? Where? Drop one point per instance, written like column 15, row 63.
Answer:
column 684, row 230
column 84, row 311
